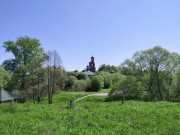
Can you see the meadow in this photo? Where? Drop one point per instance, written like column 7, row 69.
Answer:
column 90, row 116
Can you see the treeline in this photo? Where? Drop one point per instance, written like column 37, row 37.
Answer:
column 151, row 75
column 78, row 81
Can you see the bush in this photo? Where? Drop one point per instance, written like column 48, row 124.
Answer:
column 130, row 88
column 107, row 78
column 116, row 95
column 115, row 77
column 80, row 85
column 70, row 83
column 97, row 82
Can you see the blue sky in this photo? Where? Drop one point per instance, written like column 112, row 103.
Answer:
column 111, row 30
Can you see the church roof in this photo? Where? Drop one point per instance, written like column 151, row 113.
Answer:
column 6, row 96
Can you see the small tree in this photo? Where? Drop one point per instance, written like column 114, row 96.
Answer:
column 97, row 82
column 54, row 64
column 37, row 82
column 106, row 78
column 28, row 58
column 131, row 88
column 70, row 83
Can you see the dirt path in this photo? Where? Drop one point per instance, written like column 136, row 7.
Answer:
column 97, row 94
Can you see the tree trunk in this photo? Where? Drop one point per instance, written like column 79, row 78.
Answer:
column 34, row 96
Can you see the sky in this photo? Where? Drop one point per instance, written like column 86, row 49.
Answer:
column 110, row 30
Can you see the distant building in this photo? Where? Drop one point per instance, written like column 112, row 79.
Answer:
column 91, row 68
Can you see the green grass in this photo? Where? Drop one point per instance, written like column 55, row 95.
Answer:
column 105, row 90
column 90, row 116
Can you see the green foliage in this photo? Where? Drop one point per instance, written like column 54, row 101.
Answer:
column 10, row 65
column 130, row 88
column 76, row 81
column 115, row 77
column 28, row 57
column 175, row 87
column 90, row 116
column 104, row 90
column 153, row 68
column 4, row 77
column 108, row 68
column 70, row 82
column 54, row 73
column 80, row 85
column 97, row 82
column 78, row 75
column 106, row 77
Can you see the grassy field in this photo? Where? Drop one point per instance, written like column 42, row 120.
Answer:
column 91, row 116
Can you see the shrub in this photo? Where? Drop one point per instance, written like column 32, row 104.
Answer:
column 80, row 85
column 97, row 82
column 106, row 79
column 70, row 82
column 130, row 88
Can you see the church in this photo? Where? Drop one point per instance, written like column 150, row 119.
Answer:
column 91, row 67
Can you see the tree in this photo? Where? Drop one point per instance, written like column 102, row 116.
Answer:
column 4, row 77
column 70, row 82
column 175, row 87
column 154, row 68
column 78, row 75
column 115, row 77
column 10, row 65
column 108, row 68
column 28, row 58
column 54, row 64
column 37, row 81
column 76, row 81
column 106, row 78
column 131, row 88
column 97, row 82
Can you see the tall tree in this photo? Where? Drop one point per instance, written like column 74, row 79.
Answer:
column 154, row 68
column 54, row 65
column 28, row 57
